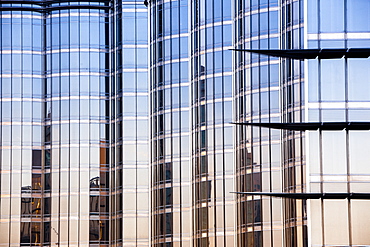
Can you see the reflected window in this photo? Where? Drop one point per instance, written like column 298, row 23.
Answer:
column 36, row 182
column 36, row 232
column 26, row 207
column 25, row 232
column 94, row 230
column 36, row 159
column 94, row 204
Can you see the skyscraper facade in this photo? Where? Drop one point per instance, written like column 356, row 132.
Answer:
column 132, row 123
column 116, row 134
column 258, row 150
column 72, row 72
column 329, row 88
column 191, row 108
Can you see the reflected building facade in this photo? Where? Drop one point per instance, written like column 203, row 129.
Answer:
column 74, row 123
column 93, row 154
column 191, row 108
column 258, row 150
column 270, row 89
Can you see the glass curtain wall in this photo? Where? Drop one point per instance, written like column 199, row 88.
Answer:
column 55, row 124
column 132, row 119
column 74, row 139
column 22, row 138
column 338, row 91
column 191, row 98
column 77, row 114
column 317, row 90
column 170, row 121
column 212, row 134
column 293, row 111
column 257, row 99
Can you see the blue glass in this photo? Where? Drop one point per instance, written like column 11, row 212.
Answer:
column 332, row 16
column 357, row 13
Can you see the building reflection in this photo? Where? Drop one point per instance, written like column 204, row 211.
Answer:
column 99, row 211
column 163, row 218
column 73, row 76
column 35, row 206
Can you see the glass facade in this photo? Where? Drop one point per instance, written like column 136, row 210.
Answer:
column 74, row 119
column 115, row 123
column 337, row 92
column 170, row 124
column 212, row 135
column 293, row 111
column 191, row 138
column 132, row 124
column 257, row 99
column 297, row 91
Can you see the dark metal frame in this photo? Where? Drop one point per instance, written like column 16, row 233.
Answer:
column 337, row 196
column 312, row 125
column 302, row 54
column 313, row 53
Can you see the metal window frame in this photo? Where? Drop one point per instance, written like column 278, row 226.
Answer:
column 312, row 53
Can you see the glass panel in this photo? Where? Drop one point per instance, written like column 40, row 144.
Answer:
column 332, row 80
column 360, row 216
column 334, row 152
column 332, row 16
column 333, row 209
column 358, row 76
column 357, row 14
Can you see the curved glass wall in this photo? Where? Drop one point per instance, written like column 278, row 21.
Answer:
column 293, row 111
column 191, row 85
column 257, row 99
column 74, row 122
column 77, row 112
column 22, row 97
column 56, row 85
column 60, row 86
column 170, row 119
column 132, row 124
column 212, row 135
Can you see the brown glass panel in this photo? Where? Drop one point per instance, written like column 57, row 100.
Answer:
column 94, row 203
column 36, row 182
column 94, row 230
column 36, row 232
column 104, row 206
column 25, row 232
column 36, row 159
column 26, row 206
column 104, row 179
column 36, row 206
column 104, row 230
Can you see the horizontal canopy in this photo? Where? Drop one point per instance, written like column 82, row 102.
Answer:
column 313, row 53
column 313, row 126
column 363, row 196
